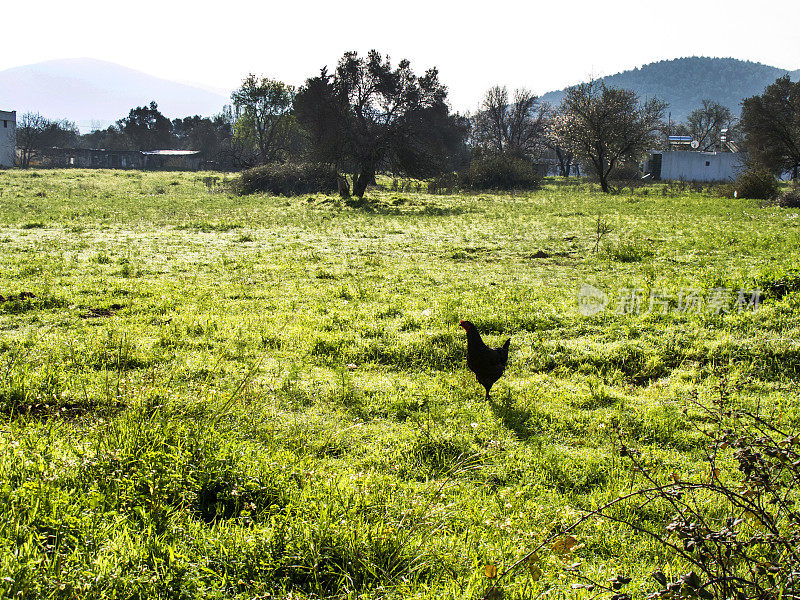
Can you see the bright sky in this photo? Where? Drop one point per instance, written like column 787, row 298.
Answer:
column 539, row 45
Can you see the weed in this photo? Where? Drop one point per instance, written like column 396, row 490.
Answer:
column 628, row 251
column 602, row 228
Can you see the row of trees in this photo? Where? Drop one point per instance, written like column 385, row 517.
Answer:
column 145, row 128
column 368, row 115
column 35, row 132
column 603, row 128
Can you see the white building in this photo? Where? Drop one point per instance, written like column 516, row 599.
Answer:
column 695, row 166
column 8, row 138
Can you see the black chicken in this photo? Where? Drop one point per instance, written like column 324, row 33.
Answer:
column 487, row 363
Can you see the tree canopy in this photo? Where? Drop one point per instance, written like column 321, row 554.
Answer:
column 705, row 124
column 147, row 128
column 604, row 127
column 265, row 128
column 771, row 124
column 368, row 115
column 512, row 126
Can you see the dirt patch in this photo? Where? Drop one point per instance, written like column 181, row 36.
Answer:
column 17, row 297
column 94, row 313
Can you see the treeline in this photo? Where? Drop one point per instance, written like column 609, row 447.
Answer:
column 145, row 128
column 368, row 116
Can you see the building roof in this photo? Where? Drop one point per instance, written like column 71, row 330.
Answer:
column 171, row 152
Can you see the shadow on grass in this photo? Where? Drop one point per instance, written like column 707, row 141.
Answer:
column 42, row 411
column 403, row 206
column 515, row 418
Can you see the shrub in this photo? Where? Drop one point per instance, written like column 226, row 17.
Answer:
column 779, row 285
column 625, row 172
column 629, row 251
column 501, row 172
column 287, row 179
column 446, row 183
column 754, row 185
column 790, row 198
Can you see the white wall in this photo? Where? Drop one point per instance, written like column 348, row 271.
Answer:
column 8, row 138
column 700, row 166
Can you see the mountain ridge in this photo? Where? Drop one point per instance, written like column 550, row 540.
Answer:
column 685, row 82
column 96, row 92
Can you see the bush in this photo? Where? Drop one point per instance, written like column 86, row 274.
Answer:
column 779, row 285
column 754, row 185
column 446, row 183
column 501, row 172
column 790, row 198
column 288, row 179
column 625, row 172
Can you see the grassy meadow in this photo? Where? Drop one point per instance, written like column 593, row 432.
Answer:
column 211, row 396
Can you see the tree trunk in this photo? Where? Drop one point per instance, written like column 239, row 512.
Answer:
column 563, row 165
column 598, row 165
column 603, row 174
column 344, row 187
column 362, row 180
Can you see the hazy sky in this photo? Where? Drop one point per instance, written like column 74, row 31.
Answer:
column 539, row 45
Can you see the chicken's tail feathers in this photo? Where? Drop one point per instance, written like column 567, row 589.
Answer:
column 505, row 346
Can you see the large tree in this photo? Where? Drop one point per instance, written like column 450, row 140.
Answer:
column 264, row 122
column 147, row 129
column 705, row 124
column 771, row 124
column 368, row 115
column 605, row 127
column 512, row 126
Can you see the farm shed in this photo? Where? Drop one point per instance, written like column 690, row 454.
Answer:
column 89, row 158
column 177, row 160
column 694, row 166
column 8, row 138
column 172, row 160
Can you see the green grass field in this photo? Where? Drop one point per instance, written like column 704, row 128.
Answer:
column 212, row 396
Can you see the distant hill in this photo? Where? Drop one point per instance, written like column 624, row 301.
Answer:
column 89, row 91
column 96, row 93
column 685, row 82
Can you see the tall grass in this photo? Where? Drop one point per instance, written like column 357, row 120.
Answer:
column 222, row 396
